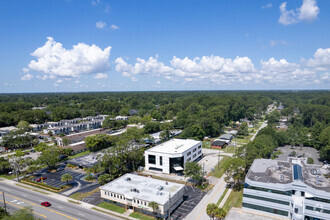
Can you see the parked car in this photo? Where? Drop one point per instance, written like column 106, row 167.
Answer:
column 32, row 151
column 47, row 204
column 62, row 157
column 41, row 178
column 60, row 168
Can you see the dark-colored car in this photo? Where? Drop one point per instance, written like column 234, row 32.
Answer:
column 41, row 178
column 47, row 204
column 32, row 151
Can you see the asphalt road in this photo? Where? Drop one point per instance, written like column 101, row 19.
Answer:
column 17, row 198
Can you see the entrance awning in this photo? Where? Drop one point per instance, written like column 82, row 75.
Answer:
column 177, row 168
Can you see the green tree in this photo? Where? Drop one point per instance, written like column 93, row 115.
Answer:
column 236, row 171
column 25, row 213
column 211, row 210
column 41, row 147
column 24, row 125
column 220, row 213
column 310, row 160
column 243, row 129
column 3, row 213
column 153, row 205
column 99, row 141
column 49, row 157
column 194, row 171
column 4, row 165
column 65, row 141
column 105, row 178
column 66, row 178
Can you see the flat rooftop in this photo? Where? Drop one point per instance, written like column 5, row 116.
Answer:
column 283, row 172
column 148, row 189
column 174, row 146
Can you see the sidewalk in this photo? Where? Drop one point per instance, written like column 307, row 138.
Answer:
column 65, row 199
column 225, row 198
column 199, row 212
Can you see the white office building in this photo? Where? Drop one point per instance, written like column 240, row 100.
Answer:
column 290, row 189
column 136, row 192
column 171, row 156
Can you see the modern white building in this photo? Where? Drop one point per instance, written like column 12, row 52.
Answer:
column 136, row 192
column 290, row 189
column 171, row 156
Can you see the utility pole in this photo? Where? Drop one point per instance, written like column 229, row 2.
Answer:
column 219, row 160
column 4, row 201
column 169, row 207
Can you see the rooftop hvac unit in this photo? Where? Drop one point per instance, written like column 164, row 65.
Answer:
column 160, row 188
column 128, row 179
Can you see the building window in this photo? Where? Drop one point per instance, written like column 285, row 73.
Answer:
column 288, row 193
column 199, row 152
column 188, row 153
column 138, row 201
column 161, row 160
column 200, row 146
column 319, row 199
column 194, row 150
column 194, row 155
column 265, row 209
column 188, row 159
column 152, row 159
column 296, row 210
column 266, row 199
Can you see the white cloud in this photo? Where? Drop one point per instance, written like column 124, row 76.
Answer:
column 114, row 27
column 27, row 77
column 269, row 5
column 96, row 2
column 277, row 42
column 52, row 60
column 216, row 70
column 100, row 76
column 308, row 11
column 150, row 66
column 321, row 61
column 277, row 66
column 100, row 25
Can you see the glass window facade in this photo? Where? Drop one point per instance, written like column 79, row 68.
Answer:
column 319, row 199
column 317, row 209
column 161, row 160
column 287, row 193
column 265, row 209
column 266, row 199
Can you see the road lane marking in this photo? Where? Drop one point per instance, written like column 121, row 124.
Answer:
column 44, row 208
column 200, row 214
column 23, row 207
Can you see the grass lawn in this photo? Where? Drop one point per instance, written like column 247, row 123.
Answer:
column 222, row 196
column 8, row 177
column 80, row 196
column 242, row 141
column 80, row 154
column 229, row 149
column 234, row 200
column 111, row 207
column 140, row 216
column 223, row 165
column 207, row 144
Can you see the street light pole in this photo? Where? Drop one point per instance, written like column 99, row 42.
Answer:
column 4, row 201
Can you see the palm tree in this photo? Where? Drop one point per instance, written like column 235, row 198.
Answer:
column 153, row 205
column 66, row 177
column 211, row 210
column 220, row 213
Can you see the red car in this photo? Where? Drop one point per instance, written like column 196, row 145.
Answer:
column 41, row 178
column 47, row 204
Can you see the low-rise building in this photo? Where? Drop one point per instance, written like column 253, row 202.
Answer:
column 171, row 156
column 291, row 189
column 137, row 192
column 218, row 144
column 226, row 137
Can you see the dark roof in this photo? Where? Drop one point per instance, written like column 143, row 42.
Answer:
column 226, row 136
column 218, row 143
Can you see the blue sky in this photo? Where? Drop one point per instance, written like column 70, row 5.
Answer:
column 121, row 45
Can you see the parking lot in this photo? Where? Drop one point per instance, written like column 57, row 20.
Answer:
column 54, row 179
column 192, row 197
column 308, row 151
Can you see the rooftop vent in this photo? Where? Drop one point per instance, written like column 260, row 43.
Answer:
column 128, row 179
column 135, row 190
column 282, row 177
column 160, row 188
column 166, row 183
